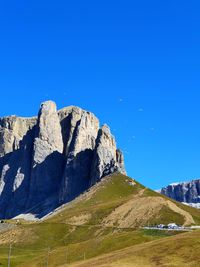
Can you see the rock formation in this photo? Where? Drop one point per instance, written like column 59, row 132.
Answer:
column 106, row 157
column 48, row 160
column 188, row 192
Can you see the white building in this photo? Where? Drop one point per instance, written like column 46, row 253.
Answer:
column 172, row 226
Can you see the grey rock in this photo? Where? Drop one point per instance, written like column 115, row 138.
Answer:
column 48, row 160
column 79, row 151
column 188, row 192
column 15, row 163
column 120, row 162
column 107, row 158
column 12, row 131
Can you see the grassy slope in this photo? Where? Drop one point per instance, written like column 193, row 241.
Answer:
column 67, row 241
column 180, row 250
column 115, row 191
column 193, row 211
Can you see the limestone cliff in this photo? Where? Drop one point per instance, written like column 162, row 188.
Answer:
column 50, row 159
column 107, row 159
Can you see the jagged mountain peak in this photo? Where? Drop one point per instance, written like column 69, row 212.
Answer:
column 187, row 192
column 52, row 158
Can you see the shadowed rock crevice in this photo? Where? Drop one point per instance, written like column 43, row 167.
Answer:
column 15, row 179
column 76, row 176
column 49, row 160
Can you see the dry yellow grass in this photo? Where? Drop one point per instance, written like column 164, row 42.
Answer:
column 177, row 251
column 17, row 235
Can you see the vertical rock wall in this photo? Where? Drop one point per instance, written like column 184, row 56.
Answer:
column 50, row 159
column 188, row 192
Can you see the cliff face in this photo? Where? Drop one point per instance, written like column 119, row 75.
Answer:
column 188, row 192
column 48, row 160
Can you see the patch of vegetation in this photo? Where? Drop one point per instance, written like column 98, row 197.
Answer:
column 166, row 216
column 193, row 211
column 93, row 247
column 150, row 193
column 180, row 250
column 112, row 193
column 160, row 233
column 60, row 239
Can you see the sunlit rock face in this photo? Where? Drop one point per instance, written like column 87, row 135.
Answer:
column 78, row 154
column 50, row 159
column 47, row 157
column 106, row 159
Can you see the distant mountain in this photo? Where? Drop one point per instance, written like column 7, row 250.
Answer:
column 50, row 159
column 186, row 192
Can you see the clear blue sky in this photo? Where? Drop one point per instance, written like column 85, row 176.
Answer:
column 135, row 64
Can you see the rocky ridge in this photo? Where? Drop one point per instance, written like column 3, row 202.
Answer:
column 50, row 159
column 186, row 192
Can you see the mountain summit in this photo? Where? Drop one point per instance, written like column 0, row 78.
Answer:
column 187, row 192
column 50, row 159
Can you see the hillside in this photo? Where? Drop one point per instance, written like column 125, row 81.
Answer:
column 119, row 201
column 180, row 250
column 107, row 218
